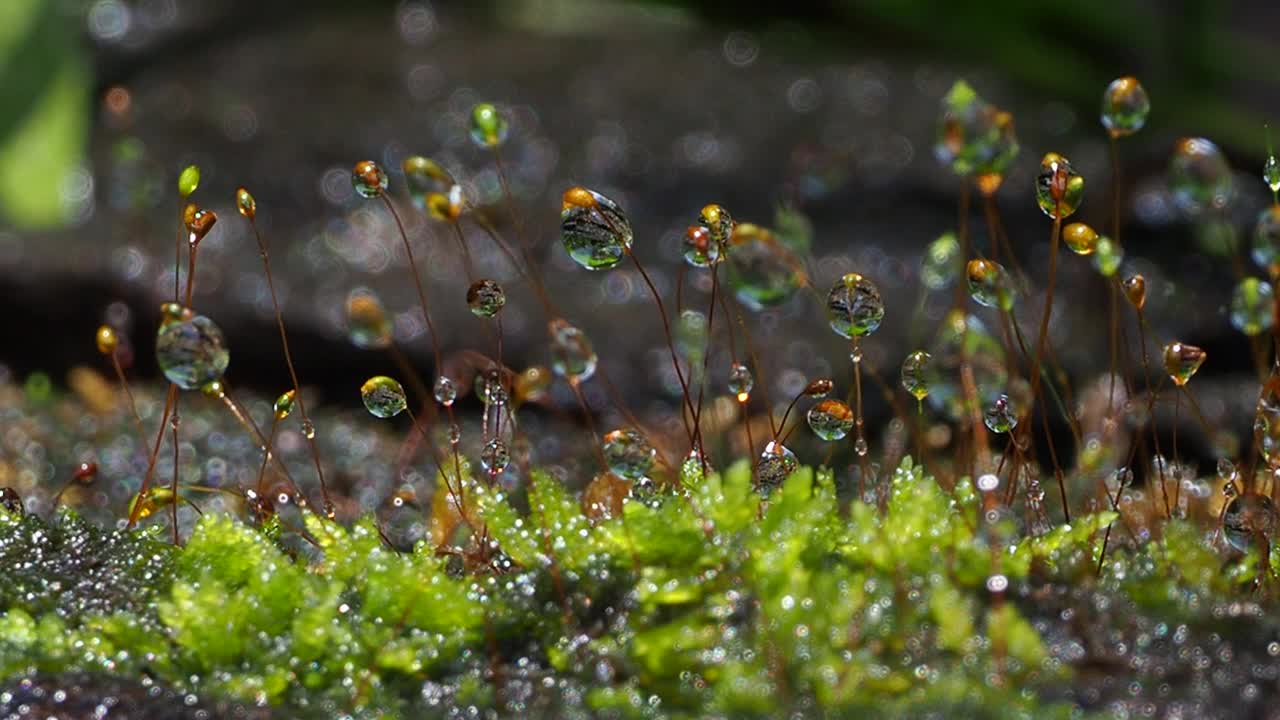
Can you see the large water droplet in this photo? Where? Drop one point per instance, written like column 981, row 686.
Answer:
column 628, row 454
column 383, row 396
column 594, row 230
column 854, row 306
column 830, row 419
column 191, row 352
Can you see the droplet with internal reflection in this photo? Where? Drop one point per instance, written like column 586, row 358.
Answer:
column 975, row 138
column 1248, row 520
column 830, row 419
column 383, row 396
column 1125, row 106
column 939, row 266
column 283, row 405
column 485, row 298
column 191, row 352
column 762, row 272
column 1199, row 176
column 1000, row 416
column 1181, row 361
column 594, row 230
column 915, row 374
column 1107, row 256
column 854, row 306
column 572, row 356
column 1059, row 188
column 1266, row 239
column 444, row 390
column 776, row 464
column 989, row 284
column 488, row 127
column 368, row 325
column 1080, row 238
column 369, row 179
column 628, row 454
column 741, row 381
column 495, row 456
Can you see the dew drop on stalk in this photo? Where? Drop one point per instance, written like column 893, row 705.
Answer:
column 699, row 249
column 776, row 464
column 718, row 224
column 485, row 298
column 1199, row 176
column 383, row 396
column 1059, row 188
column 309, row 432
column 628, row 454
column 1252, row 303
column 964, row 338
column 854, row 306
column 495, row 456
column 761, row 272
column 1247, row 518
column 1227, row 470
column 423, row 174
column 975, row 138
column 1135, row 290
column 1271, row 173
column 532, row 384
column 490, row 389
column 572, row 356
column 938, row 265
column 1125, row 106
column 1182, row 361
column 830, row 419
column 191, row 352
column 283, row 405
column 1107, row 256
column 368, row 179
column 1080, row 238
column 1266, row 422
column 444, row 390
column 488, row 127
column 368, row 325
column 106, row 339
column 989, row 284
column 245, row 203
column 1000, row 417
column 188, row 180
column 1266, row 239
column 915, row 374
column 741, row 381
column 594, row 230
column 198, row 221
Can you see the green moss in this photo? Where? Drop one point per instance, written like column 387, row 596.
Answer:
column 704, row 602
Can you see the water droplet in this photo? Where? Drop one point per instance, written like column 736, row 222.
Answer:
column 488, row 127
column 245, row 203
column 1125, row 106
column 423, row 174
column 1271, row 173
column 741, row 381
column 188, row 180
column 860, row 446
column 777, row 462
column 830, row 419
column 1182, row 361
column 717, row 222
column 485, row 298
column 191, row 352
column 368, row 325
column 988, row 482
column 444, row 390
column 997, row 584
column 628, row 454
column 915, row 374
column 761, row 271
column 369, row 179
column 106, row 339
column 308, row 430
column 855, row 354
column 939, row 263
column 964, row 337
column 1081, row 238
column 1252, row 304
column 1266, row 421
column 1247, row 517
column 284, row 404
column 1135, row 289
column 214, row 389
column 494, row 456
column 446, row 206
column 699, row 249
column 383, row 396
column 1107, row 256
column 989, row 284
column 594, row 230
column 572, row 356
column 1227, row 470
column 1000, row 416
column 490, row 389
column 455, row 434
column 1059, row 188
column 1199, row 176
column 854, row 306
column 1266, row 239
column 975, row 138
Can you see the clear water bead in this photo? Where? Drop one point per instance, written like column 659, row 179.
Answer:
column 191, row 352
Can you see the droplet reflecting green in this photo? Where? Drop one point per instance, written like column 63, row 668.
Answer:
column 1182, row 361
column 1266, row 239
column 940, row 263
column 989, row 284
column 1000, row 416
column 485, row 298
column 975, row 138
column 1249, row 520
column 854, row 306
column 368, row 179
column 1199, row 176
column 761, row 272
column 628, row 454
column 495, row 456
column 1252, row 306
column 368, row 325
column 915, row 374
column 283, row 405
column 488, row 127
column 1059, row 188
column 191, row 352
column 572, row 356
column 594, row 230
column 1125, row 106
column 1107, row 256
column 383, row 396
column 830, row 419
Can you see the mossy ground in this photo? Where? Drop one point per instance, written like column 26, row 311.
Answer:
column 700, row 602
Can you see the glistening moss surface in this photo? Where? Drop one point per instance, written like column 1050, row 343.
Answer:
column 706, row 602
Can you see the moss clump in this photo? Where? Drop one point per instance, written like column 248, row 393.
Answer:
column 706, row 602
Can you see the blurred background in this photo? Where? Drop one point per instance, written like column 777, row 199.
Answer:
column 826, row 112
